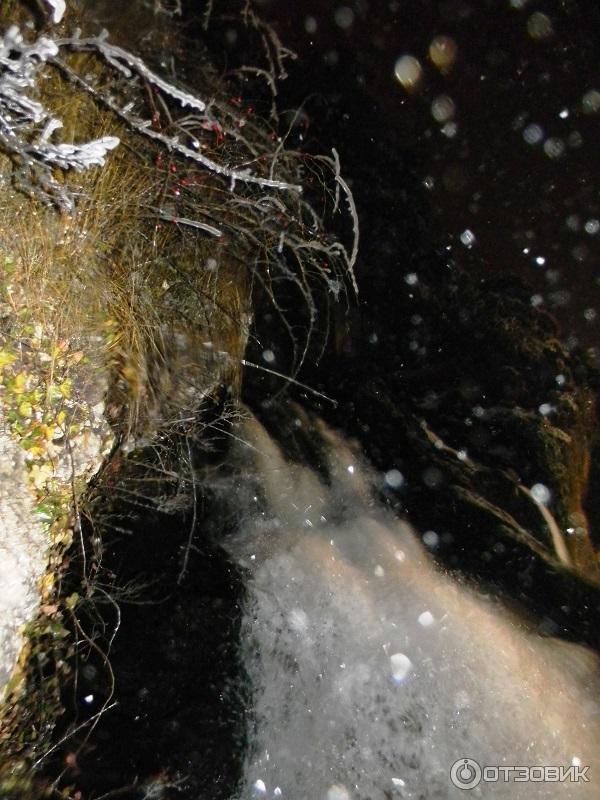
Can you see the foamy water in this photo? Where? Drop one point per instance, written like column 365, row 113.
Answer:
column 373, row 673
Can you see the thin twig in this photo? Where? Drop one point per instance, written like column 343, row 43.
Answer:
column 289, row 379
column 186, row 555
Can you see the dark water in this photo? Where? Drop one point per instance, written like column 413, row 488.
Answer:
column 165, row 621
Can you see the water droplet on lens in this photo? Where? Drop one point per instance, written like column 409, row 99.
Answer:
column 539, row 26
column 443, row 51
column 426, row 619
column 533, row 134
column 401, row 666
column 344, row 17
column 591, row 101
column 431, row 539
column 554, row 147
column 310, row 25
column 394, row 478
column 408, row 71
column 443, row 108
column 467, row 237
column 540, row 493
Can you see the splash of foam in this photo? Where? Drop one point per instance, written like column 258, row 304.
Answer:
column 372, row 672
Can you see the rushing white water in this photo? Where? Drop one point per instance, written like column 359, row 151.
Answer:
column 372, row 672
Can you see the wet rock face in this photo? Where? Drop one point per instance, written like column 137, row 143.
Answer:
column 27, row 510
column 54, row 433
column 22, row 549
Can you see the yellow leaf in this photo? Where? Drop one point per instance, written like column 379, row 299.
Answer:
column 47, row 431
column 47, row 581
column 65, row 388
column 25, row 409
column 59, row 348
column 19, row 382
column 6, row 358
column 36, row 450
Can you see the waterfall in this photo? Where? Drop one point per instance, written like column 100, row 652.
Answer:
column 372, row 672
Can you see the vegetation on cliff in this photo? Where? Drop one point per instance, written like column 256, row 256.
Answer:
column 146, row 211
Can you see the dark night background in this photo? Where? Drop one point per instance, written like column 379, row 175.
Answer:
column 522, row 69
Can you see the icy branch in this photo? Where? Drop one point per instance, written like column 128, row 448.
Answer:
column 77, row 156
column 128, row 64
column 58, row 9
column 185, row 221
column 353, row 214
column 26, row 126
column 174, row 145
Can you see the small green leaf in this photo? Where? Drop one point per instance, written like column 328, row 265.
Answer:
column 72, row 601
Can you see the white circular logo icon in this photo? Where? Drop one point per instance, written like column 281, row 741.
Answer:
column 465, row 773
